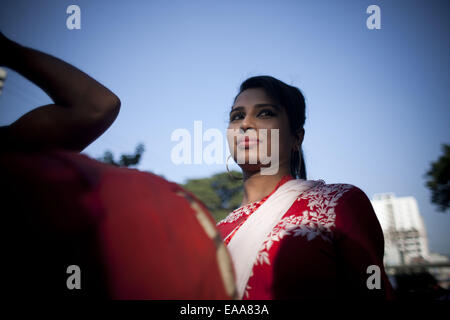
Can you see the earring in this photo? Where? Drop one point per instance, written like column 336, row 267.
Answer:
column 228, row 170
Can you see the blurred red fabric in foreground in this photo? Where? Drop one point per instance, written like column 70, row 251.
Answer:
column 134, row 235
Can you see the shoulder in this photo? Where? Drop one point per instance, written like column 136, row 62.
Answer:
column 330, row 194
column 341, row 201
column 348, row 204
column 342, row 206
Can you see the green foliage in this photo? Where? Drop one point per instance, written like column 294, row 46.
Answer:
column 439, row 180
column 220, row 193
column 126, row 160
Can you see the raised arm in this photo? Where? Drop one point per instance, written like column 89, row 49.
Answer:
column 83, row 108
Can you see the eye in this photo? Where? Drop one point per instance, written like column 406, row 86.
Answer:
column 267, row 113
column 236, row 116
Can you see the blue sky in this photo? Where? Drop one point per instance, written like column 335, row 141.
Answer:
column 377, row 100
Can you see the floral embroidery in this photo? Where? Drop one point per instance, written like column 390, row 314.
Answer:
column 317, row 221
column 251, row 207
column 239, row 212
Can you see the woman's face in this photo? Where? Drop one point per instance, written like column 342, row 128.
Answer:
column 252, row 112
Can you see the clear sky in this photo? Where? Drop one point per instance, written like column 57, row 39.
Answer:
column 377, row 100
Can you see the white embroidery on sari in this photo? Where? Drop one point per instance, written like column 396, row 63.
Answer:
column 317, row 221
column 239, row 212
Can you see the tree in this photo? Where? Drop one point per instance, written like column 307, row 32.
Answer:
column 126, row 160
column 439, row 180
column 220, row 193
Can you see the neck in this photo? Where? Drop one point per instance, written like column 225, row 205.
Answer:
column 257, row 186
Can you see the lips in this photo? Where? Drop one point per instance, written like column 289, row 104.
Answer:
column 246, row 141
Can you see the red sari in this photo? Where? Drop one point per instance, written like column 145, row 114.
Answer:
column 321, row 247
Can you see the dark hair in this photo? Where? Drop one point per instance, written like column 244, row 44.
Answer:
column 293, row 101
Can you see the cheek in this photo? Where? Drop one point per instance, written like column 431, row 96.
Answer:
column 270, row 127
column 231, row 126
column 286, row 138
column 283, row 142
column 231, row 137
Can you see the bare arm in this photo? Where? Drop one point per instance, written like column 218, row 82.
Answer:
column 83, row 108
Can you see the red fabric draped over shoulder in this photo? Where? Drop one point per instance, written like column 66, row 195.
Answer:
column 133, row 234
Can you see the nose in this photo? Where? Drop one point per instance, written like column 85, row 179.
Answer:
column 247, row 123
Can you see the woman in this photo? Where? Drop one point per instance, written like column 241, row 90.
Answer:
column 292, row 237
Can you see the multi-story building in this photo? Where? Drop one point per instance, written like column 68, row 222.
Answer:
column 404, row 231
column 405, row 236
